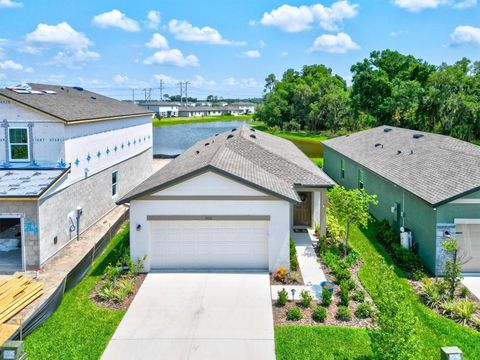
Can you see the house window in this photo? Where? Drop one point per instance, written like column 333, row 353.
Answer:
column 18, row 143
column 342, row 168
column 114, row 183
column 361, row 179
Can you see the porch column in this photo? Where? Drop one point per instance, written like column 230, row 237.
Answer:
column 323, row 212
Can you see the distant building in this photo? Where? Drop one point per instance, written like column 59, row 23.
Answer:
column 199, row 111
column 162, row 109
column 67, row 155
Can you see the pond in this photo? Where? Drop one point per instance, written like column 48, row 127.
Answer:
column 175, row 139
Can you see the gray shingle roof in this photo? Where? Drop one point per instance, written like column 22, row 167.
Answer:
column 434, row 167
column 30, row 183
column 70, row 104
column 270, row 163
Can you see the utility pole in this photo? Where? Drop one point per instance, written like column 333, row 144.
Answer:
column 148, row 96
column 161, row 90
column 133, row 95
column 181, row 91
column 186, row 92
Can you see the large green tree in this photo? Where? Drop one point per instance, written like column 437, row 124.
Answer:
column 311, row 99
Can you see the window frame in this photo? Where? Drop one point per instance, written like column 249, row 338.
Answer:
column 18, row 144
column 114, row 187
column 342, row 169
column 361, row 179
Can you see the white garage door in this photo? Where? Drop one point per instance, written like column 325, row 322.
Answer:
column 469, row 246
column 209, row 244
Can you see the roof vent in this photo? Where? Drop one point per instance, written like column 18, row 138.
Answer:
column 411, row 152
column 417, row 136
column 253, row 136
column 252, row 129
column 378, row 145
column 216, row 134
column 78, row 88
column 93, row 98
column 230, row 136
column 234, row 129
column 197, row 152
column 399, row 152
column 62, row 88
column 206, row 144
column 387, row 130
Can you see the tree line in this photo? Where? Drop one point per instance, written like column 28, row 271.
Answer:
column 388, row 88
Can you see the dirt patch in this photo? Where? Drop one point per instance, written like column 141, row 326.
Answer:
column 114, row 305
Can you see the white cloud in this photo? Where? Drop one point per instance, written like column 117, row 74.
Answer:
column 200, row 82
column 32, row 50
column 299, row 18
column 154, row 19
column 241, row 83
column 120, row 79
column 158, row 41
column 334, row 44
column 11, row 65
column 183, row 30
column 396, row 33
column 283, row 54
column 466, row 34
column 61, row 34
column 10, row 4
column 419, row 5
column 172, row 57
column 262, row 44
column 465, row 4
column 251, row 54
column 74, row 45
column 74, row 59
column 252, row 22
column 116, row 18
column 166, row 79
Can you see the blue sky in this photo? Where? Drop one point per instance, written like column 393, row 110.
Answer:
column 224, row 48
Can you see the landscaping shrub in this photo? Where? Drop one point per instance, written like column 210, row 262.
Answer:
column 464, row 291
column 306, row 298
column 319, row 314
column 294, row 276
column 351, row 284
column 352, row 258
column 364, row 311
column 435, row 292
column 326, row 297
column 359, row 296
column 282, row 297
column 463, row 310
column 281, row 275
column 293, row 256
column 344, row 296
column 341, row 274
column 294, row 314
column 418, row 274
column 343, row 314
column 335, row 230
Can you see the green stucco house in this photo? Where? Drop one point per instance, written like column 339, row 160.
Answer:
column 427, row 183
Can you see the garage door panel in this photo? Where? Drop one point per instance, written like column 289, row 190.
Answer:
column 469, row 246
column 209, row 244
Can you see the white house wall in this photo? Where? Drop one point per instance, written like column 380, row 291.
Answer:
column 48, row 133
column 92, row 147
column 208, row 184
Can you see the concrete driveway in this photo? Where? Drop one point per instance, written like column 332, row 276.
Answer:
column 197, row 316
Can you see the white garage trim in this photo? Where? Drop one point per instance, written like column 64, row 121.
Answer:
column 467, row 221
column 211, row 197
column 209, row 217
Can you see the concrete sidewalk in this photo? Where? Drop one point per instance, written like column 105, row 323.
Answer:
column 473, row 284
column 201, row 316
column 312, row 273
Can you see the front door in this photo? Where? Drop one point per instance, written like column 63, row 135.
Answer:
column 302, row 213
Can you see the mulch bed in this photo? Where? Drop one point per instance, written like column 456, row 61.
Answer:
column 138, row 280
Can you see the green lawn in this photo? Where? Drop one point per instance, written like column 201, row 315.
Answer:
column 79, row 329
column 299, row 135
column 321, row 343
column 193, row 120
column 434, row 330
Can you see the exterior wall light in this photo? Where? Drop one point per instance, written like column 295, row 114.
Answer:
column 139, row 227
